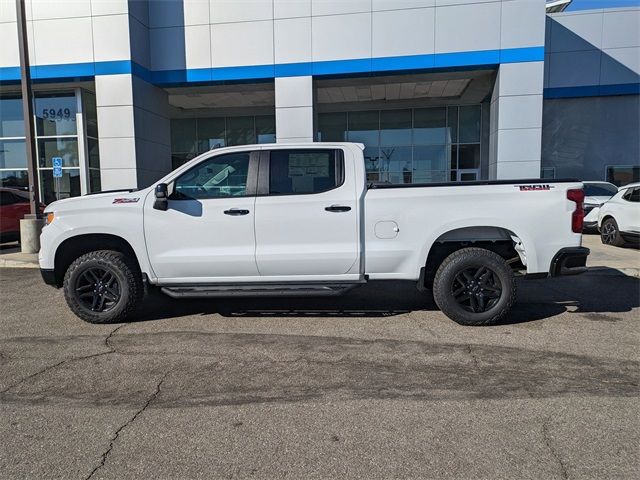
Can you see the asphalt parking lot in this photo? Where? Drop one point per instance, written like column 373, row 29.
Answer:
column 376, row 384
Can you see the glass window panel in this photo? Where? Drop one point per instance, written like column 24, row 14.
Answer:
column 395, row 164
column 52, row 189
column 11, row 120
column 452, row 125
column 548, row 172
column 90, row 113
column 14, row 179
column 432, row 157
column 395, row 127
column 372, row 158
column 468, row 156
column 56, row 115
column 302, row 172
column 429, row 176
column 266, row 129
column 363, row 128
column 623, row 174
column 13, row 154
column 179, row 159
column 468, row 176
column 454, row 157
column 58, row 147
column 183, row 135
column 95, row 184
column 430, row 126
column 217, row 177
column 94, row 153
column 469, row 124
column 332, row 127
column 240, row 131
column 210, row 133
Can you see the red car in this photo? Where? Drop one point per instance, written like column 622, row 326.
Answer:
column 14, row 205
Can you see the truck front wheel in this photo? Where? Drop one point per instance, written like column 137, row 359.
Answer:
column 103, row 286
column 474, row 286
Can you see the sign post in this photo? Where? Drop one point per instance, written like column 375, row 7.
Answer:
column 57, row 174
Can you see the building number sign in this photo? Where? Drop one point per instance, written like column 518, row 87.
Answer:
column 56, row 115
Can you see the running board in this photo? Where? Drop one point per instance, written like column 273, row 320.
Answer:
column 261, row 290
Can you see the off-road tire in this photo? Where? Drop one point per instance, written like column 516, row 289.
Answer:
column 129, row 284
column 472, row 258
column 610, row 233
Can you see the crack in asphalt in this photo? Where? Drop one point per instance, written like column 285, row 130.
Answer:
column 554, row 452
column 473, row 356
column 107, row 452
column 67, row 360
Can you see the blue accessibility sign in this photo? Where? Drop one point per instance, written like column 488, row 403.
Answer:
column 57, row 167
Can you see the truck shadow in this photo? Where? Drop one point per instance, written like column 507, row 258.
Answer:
column 593, row 294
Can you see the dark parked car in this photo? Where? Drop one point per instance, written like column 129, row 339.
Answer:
column 14, row 205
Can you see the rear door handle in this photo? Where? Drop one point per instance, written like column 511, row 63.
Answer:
column 236, row 212
column 337, row 208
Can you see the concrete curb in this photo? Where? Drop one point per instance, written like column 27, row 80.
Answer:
column 10, row 263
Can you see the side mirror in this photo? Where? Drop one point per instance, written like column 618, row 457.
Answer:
column 162, row 200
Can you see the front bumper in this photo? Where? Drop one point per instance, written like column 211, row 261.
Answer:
column 569, row 261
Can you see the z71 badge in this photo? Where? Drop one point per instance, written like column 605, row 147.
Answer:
column 126, row 200
column 532, row 188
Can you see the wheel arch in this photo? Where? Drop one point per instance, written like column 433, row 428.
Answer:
column 76, row 246
column 501, row 240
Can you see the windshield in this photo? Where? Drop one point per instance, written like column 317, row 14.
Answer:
column 600, row 190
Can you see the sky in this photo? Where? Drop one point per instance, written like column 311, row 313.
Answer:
column 589, row 4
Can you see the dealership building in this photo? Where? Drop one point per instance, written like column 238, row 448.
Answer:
column 436, row 90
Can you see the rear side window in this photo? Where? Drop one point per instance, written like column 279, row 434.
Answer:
column 297, row 172
column 632, row 195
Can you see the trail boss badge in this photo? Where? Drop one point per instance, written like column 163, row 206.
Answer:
column 533, row 188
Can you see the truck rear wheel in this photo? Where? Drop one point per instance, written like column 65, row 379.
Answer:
column 103, row 287
column 474, row 286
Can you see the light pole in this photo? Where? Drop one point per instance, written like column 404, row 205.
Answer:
column 31, row 225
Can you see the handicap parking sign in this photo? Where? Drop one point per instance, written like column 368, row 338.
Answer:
column 57, row 167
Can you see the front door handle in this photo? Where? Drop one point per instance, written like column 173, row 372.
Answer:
column 337, row 208
column 236, row 212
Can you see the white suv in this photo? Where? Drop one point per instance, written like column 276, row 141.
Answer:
column 619, row 218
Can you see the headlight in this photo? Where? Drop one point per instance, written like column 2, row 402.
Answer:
column 50, row 217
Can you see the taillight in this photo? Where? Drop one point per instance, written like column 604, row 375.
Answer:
column 577, row 217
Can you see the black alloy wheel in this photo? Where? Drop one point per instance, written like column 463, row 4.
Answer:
column 97, row 289
column 476, row 289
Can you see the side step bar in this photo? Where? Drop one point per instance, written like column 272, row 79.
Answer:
column 261, row 290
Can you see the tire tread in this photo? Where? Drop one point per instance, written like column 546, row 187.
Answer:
column 440, row 289
column 133, row 278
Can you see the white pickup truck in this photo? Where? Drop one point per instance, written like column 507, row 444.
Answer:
column 302, row 219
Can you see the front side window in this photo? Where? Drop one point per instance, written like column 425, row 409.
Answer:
column 218, row 177
column 304, row 171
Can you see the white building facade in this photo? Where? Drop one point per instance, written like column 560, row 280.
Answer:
column 437, row 90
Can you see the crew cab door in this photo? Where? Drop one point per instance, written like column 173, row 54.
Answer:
column 207, row 233
column 306, row 216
